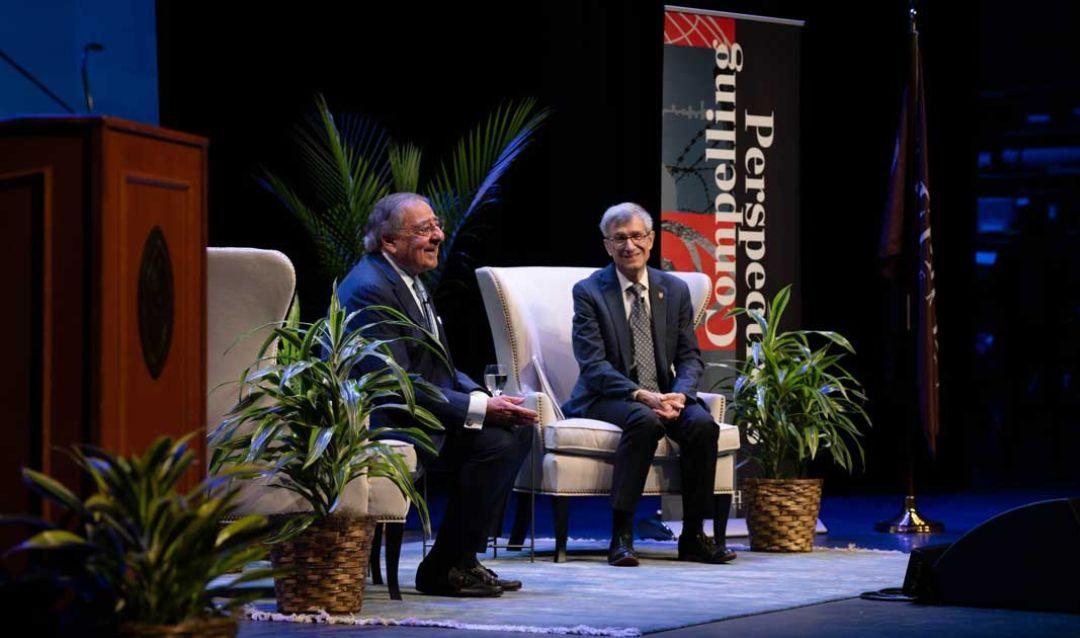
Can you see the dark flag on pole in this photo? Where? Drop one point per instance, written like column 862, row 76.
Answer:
column 906, row 248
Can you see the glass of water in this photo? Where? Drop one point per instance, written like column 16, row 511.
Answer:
column 495, row 378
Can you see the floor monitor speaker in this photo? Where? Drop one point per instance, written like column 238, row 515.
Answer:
column 1025, row 558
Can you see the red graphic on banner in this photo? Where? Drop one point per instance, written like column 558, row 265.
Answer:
column 689, row 243
column 697, row 30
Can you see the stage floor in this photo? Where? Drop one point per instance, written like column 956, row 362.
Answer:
column 841, row 619
column 850, row 522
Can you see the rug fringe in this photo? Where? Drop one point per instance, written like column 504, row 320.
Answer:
column 324, row 618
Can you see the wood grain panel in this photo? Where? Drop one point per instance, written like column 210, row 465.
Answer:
column 61, row 335
column 154, row 190
column 22, row 204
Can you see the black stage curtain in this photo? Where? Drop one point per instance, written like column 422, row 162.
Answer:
column 242, row 75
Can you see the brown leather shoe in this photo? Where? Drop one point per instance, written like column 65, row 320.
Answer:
column 456, row 581
column 489, row 576
column 699, row 548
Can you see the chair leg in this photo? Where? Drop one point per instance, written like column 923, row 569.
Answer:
column 376, row 542
column 425, row 528
column 721, row 509
column 522, row 520
column 394, row 534
column 562, row 526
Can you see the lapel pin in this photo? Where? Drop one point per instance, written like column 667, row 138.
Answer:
column 660, row 295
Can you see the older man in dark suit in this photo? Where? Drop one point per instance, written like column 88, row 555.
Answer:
column 486, row 437
column 640, row 363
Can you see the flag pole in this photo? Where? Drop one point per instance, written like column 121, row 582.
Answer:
column 909, row 520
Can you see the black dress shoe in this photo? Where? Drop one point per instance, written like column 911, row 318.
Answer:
column 490, row 577
column 621, row 552
column 699, row 548
column 456, row 581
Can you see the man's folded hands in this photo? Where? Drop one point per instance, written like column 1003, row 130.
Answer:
column 667, row 406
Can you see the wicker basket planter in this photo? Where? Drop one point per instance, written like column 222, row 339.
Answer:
column 194, row 628
column 782, row 513
column 329, row 562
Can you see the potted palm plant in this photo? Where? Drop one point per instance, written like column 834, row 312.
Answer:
column 347, row 163
column 154, row 550
column 303, row 415
column 795, row 402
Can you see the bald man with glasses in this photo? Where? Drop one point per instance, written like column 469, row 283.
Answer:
column 633, row 338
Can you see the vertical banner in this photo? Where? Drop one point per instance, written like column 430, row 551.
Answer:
column 730, row 167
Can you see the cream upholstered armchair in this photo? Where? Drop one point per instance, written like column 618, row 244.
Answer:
column 530, row 311
column 248, row 289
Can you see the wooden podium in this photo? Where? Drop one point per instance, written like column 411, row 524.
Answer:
column 104, row 229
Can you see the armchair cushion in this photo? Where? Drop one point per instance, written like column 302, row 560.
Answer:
column 573, row 475
column 589, row 437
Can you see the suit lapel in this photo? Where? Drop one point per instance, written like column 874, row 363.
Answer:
column 404, row 296
column 617, row 311
column 408, row 304
column 658, row 304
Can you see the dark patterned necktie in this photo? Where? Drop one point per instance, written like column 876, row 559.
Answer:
column 425, row 306
column 641, row 329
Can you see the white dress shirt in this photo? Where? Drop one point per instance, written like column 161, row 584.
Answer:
column 474, row 418
column 628, row 300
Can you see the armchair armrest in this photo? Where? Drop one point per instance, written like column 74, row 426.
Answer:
column 717, row 404
column 529, row 478
column 544, row 406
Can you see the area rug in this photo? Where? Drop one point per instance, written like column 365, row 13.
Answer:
column 584, row 596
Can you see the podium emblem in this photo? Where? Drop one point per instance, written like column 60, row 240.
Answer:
column 156, row 299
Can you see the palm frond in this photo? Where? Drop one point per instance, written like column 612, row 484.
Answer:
column 343, row 169
column 405, row 167
column 468, row 179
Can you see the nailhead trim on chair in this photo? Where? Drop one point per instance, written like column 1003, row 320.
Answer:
column 703, row 309
column 514, row 358
column 540, row 412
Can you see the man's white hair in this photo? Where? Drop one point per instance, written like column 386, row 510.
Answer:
column 620, row 214
column 385, row 218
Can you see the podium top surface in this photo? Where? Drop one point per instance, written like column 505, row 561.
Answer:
column 67, row 124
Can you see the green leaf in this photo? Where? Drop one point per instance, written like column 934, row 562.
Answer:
column 468, row 179
column 293, row 527
column 320, row 438
column 405, row 167
column 51, row 489
column 52, row 539
column 246, row 524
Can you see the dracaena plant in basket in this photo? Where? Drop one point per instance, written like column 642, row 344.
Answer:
column 154, row 551
column 303, row 415
column 795, row 401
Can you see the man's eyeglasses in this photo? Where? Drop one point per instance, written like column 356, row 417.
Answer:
column 620, row 239
column 427, row 229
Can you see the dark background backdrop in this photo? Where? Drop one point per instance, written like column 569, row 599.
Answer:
column 1008, row 330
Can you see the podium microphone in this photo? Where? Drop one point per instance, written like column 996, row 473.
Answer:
column 96, row 48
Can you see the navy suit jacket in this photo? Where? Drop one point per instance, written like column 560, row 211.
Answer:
column 374, row 282
column 602, row 341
